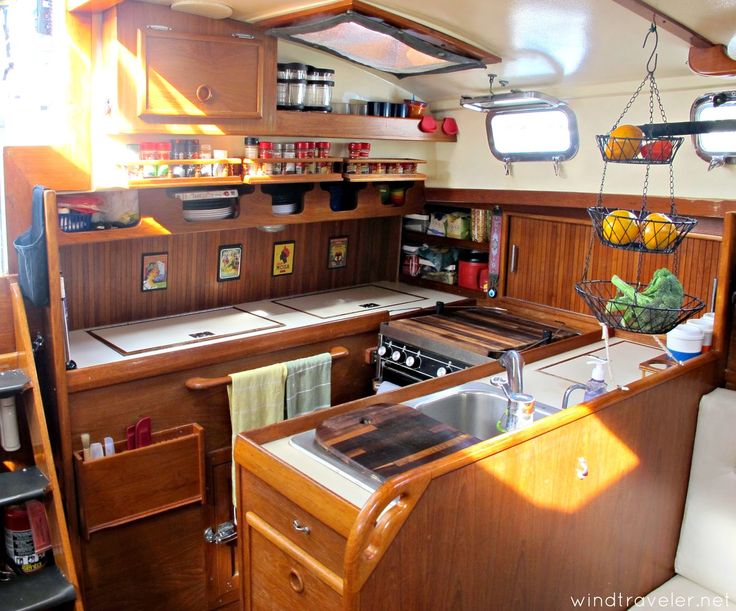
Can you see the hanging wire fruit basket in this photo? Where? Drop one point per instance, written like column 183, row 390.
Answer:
column 662, row 304
column 643, row 151
column 611, row 307
column 639, row 230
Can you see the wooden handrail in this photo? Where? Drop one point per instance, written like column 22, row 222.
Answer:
column 337, row 352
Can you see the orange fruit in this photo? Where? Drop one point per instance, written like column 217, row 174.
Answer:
column 620, row 227
column 624, row 142
column 658, row 232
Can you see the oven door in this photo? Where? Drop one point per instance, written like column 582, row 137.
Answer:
column 400, row 375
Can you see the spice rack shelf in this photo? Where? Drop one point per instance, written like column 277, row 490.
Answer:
column 384, row 177
column 437, row 240
column 233, row 176
column 293, row 178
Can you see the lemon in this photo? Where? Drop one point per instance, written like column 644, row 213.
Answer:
column 620, row 227
column 623, row 143
column 658, row 232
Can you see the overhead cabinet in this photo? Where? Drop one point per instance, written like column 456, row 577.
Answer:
column 195, row 75
column 164, row 69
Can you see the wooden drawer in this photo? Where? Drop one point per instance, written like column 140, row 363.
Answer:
column 320, row 541
column 134, row 484
column 279, row 581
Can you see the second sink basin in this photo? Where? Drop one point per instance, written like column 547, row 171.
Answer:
column 475, row 411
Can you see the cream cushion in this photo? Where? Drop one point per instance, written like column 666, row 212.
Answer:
column 681, row 593
column 706, row 554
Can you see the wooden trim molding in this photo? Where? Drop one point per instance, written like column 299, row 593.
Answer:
column 711, row 61
column 715, row 208
column 649, row 12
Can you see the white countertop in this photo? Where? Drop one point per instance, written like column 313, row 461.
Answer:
column 86, row 350
column 546, row 380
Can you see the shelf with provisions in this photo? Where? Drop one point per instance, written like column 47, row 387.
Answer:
column 437, row 240
column 313, row 203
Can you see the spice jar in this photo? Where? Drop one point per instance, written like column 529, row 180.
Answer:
column 289, row 152
column 301, row 166
column 278, row 166
column 265, row 151
column 148, row 153
column 163, row 151
column 282, row 94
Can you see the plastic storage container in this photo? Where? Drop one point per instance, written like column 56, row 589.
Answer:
column 416, row 222
column 472, row 270
column 685, row 341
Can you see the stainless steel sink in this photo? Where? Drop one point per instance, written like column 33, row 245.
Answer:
column 475, row 411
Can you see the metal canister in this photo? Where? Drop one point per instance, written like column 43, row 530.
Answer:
column 19, row 547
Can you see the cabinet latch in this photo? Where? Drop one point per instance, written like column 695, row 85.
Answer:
column 222, row 533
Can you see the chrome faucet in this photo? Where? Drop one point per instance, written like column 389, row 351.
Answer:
column 569, row 390
column 513, row 363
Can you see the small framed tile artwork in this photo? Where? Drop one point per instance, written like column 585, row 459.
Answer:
column 155, row 271
column 283, row 258
column 337, row 252
column 228, row 262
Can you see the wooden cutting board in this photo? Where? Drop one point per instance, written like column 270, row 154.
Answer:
column 483, row 331
column 389, row 438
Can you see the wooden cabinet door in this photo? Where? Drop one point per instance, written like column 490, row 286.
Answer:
column 545, row 259
column 223, row 579
column 214, row 77
column 163, row 69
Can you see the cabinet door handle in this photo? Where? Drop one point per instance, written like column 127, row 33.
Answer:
column 295, row 581
column 204, row 93
column 514, row 258
column 302, row 528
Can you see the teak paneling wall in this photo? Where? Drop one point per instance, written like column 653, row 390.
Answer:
column 551, row 256
column 103, row 280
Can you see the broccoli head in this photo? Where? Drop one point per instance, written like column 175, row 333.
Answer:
column 653, row 310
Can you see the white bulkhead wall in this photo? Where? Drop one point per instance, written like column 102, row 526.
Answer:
column 469, row 164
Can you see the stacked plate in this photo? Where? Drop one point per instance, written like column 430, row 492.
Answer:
column 209, row 209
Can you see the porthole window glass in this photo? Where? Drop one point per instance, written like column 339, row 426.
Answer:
column 533, row 135
column 715, row 107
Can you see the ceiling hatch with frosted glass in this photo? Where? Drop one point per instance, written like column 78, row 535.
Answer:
column 373, row 38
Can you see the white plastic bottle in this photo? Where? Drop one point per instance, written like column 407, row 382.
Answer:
column 9, row 438
column 597, row 384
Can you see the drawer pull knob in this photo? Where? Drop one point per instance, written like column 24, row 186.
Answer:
column 295, row 581
column 302, row 528
column 204, row 93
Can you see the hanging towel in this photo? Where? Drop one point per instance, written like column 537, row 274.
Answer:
column 256, row 399
column 308, row 384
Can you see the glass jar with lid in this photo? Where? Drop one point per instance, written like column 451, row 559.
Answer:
column 318, row 95
column 297, row 89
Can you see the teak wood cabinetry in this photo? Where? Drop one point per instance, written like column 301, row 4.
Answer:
column 165, row 69
column 521, row 522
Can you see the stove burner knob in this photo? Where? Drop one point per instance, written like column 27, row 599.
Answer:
column 382, row 350
column 396, row 356
column 441, row 371
column 413, row 361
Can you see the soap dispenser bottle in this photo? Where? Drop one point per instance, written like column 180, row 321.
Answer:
column 597, row 384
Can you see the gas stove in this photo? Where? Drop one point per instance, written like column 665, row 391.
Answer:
column 455, row 338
